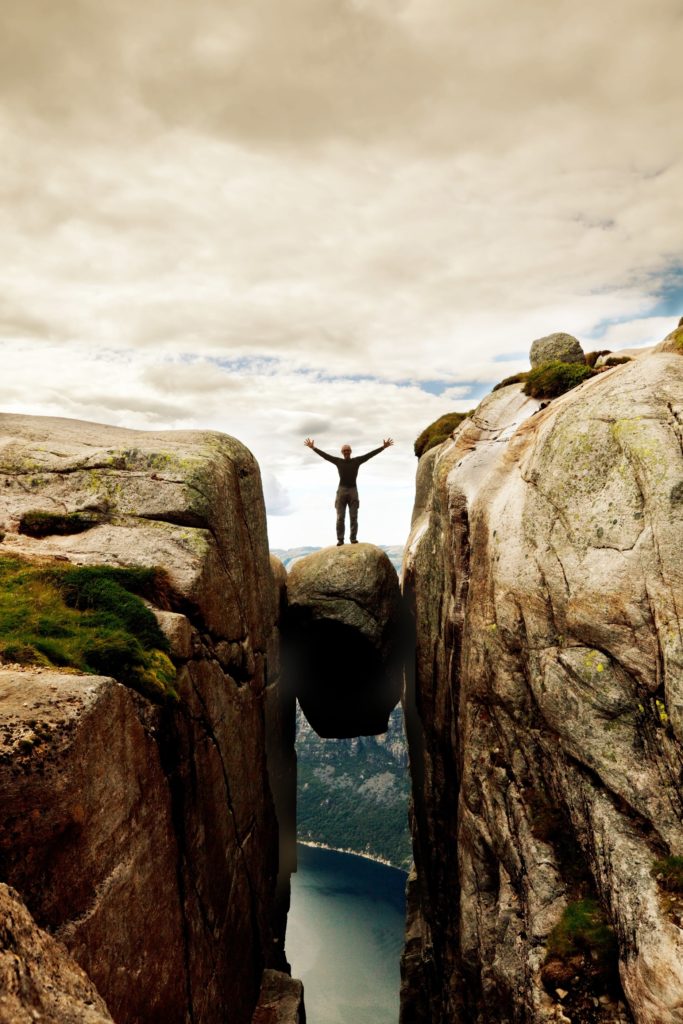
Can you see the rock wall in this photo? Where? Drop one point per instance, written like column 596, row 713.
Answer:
column 545, row 710
column 39, row 981
column 145, row 836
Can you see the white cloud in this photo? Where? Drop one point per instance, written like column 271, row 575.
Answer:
column 636, row 333
column 387, row 189
column 277, row 498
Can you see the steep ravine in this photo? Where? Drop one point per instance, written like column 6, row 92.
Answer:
column 545, row 708
column 153, row 838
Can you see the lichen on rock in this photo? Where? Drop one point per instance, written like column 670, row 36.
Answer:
column 545, row 708
column 144, row 834
column 558, row 346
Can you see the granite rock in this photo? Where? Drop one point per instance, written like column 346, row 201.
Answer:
column 544, row 709
column 39, row 981
column 145, row 836
column 563, row 347
column 281, row 1000
column 346, row 635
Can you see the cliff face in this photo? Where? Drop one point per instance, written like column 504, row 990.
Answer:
column 38, row 978
column 545, row 712
column 145, row 835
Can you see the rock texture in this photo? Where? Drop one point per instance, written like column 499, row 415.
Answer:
column 673, row 342
column 564, row 347
column 145, row 837
column 345, row 639
column 545, row 710
column 281, row 1000
column 39, row 981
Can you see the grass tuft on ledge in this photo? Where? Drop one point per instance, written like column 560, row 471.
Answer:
column 583, row 928
column 88, row 619
column 549, row 380
column 439, row 431
column 669, row 873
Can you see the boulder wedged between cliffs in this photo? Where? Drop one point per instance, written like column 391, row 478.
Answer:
column 345, row 639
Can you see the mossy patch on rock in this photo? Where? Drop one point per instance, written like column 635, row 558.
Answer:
column 555, row 378
column 515, row 378
column 677, row 338
column 439, row 431
column 673, row 342
column 88, row 618
column 669, row 873
column 582, row 947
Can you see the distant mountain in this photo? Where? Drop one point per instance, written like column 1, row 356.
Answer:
column 289, row 556
column 353, row 794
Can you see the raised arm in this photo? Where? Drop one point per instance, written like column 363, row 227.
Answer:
column 323, row 455
column 385, row 444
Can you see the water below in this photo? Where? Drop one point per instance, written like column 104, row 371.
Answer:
column 345, row 936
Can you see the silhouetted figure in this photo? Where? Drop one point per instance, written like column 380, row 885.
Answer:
column 347, row 492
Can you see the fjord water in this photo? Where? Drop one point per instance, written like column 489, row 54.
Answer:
column 345, row 936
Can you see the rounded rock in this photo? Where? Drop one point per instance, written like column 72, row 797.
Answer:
column 344, row 639
column 563, row 347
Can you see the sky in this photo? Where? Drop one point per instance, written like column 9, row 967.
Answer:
column 328, row 218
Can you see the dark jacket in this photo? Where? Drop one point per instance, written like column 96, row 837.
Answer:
column 348, row 468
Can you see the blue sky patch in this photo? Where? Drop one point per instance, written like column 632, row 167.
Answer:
column 510, row 357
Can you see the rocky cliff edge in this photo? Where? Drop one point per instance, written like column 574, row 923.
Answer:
column 143, row 833
column 545, row 711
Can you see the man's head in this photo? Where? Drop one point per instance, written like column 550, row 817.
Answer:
column 346, row 451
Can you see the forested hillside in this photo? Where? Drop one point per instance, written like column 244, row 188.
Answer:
column 353, row 794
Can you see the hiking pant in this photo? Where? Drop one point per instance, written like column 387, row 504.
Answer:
column 347, row 496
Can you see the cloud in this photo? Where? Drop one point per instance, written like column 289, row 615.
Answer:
column 223, row 215
column 277, row 498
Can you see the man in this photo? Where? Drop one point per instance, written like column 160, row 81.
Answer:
column 347, row 492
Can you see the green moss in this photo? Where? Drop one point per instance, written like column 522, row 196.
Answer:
column 439, row 431
column 677, row 338
column 38, row 523
column 669, row 873
column 555, row 378
column 86, row 618
column 516, row 378
column 583, row 929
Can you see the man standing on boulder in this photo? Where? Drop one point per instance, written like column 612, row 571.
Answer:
column 347, row 492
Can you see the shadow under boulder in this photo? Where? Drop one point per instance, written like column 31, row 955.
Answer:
column 345, row 639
